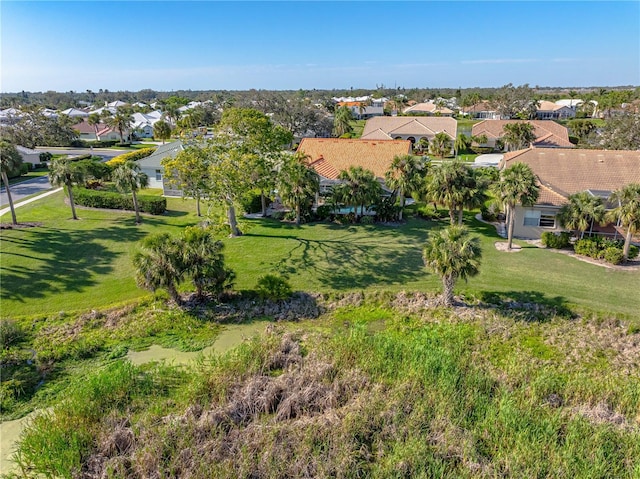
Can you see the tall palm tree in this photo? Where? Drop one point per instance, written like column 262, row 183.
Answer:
column 517, row 185
column 452, row 253
column 627, row 212
column 462, row 143
column 359, row 187
column 341, row 121
column 518, row 135
column 64, row 172
column 405, row 175
column 159, row 264
column 121, row 121
column 10, row 161
column 297, row 183
column 440, row 145
column 129, row 178
column 581, row 211
column 161, row 130
column 445, row 185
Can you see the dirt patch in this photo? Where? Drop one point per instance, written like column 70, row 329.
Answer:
column 19, row 226
column 603, row 414
column 502, row 246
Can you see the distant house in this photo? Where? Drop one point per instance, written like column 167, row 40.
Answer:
column 104, row 132
column 408, row 128
column 562, row 172
column 329, row 156
column 483, row 111
column 152, row 167
column 362, row 110
column 549, row 134
column 28, row 155
column 428, row 109
column 548, row 110
column 75, row 113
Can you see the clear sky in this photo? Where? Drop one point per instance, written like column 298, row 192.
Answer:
column 205, row 45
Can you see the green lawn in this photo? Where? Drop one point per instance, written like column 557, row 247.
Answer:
column 74, row 265
column 29, row 176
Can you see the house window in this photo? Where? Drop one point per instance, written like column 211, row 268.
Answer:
column 158, row 175
column 538, row 218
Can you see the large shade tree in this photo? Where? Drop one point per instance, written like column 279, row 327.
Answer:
column 130, row 179
column 405, row 176
column 582, row 210
column 627, row 212
column 10, row 161
column 189, row 172
column 297, row 183
column 517, row 185
column 452, row 253
column 64, row 172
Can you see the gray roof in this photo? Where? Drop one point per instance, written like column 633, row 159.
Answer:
column 162, row 152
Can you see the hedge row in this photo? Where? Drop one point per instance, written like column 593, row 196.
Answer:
column 132, row 155
column 107, row 199
column 603, row 248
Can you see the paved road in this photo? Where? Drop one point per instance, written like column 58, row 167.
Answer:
column 24, row 189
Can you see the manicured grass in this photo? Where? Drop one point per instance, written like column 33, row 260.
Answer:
column 29, row 176
column 71, row 265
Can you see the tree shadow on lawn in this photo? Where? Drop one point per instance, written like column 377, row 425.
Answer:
column 527, row 305
column 67, row 260
column 347, row 263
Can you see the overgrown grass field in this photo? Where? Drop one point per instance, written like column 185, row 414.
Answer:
column 67, row 265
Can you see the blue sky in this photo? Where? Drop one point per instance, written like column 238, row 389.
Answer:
column 167, row 45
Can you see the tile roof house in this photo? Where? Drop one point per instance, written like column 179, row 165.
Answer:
column 329, row 156
column 362, row 110
column 549, row 134
column 429, row 108
column 408, row 128
column 483, row 111
column 547, row 110
column 562, row 172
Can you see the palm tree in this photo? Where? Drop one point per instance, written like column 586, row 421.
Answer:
column 518, row 135
column 440, row 145
column 445, row 185
column 462, row 143
column 581, row 211
column 297, row 183
column 128, row 177
column 121, row 121
column 94, row 120
column 341, row 121
column 64, row 172
column 627, row 212
column 159, row 264
column 405, row 175
column 517, row 185
column 359, row 187
column 161, row 130
column 10, row 161
column 452, row 253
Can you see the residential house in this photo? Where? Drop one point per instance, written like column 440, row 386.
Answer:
column 28, row 155
column 99, row 132
column 75, row 113
column 483, row 111
column 562, row 172
column 428, row 109
column 329, row 156
column 412, row 128
column 548, row 110
column 362, row 110
column 152, row 167
column 143, row 123
column 549, row 134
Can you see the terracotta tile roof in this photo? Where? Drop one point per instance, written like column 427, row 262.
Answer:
column 378, row 135
column 562, row 172
column 84, row 127
column 545, row 105
column 329, row 156
column 481, row 106
column 350, row 103
column 411, row 125
column 548, row 133
column 427, row 108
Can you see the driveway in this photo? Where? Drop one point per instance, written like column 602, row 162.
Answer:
column 26, row 188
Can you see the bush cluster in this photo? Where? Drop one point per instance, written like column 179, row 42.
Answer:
column 557, row 241
column 154, row 205
column 132, row 155
column 604, row 248
column 95, row 144
column 273, row 287
column 251, row 201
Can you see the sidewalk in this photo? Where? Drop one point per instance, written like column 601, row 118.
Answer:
column 6, row 210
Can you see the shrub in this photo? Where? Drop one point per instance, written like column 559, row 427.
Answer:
column 273, row 287
column 324, row 212
column 428, row 212
column 633, row 251
column 613, row 255
column 10, row 333
column 45, row 156
column 386, row 209
column 251, row 201
column 367, row 220
column 132, row 155
column 553, row 240
column 154, row 205
column 587, row 247
column 278, row 215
